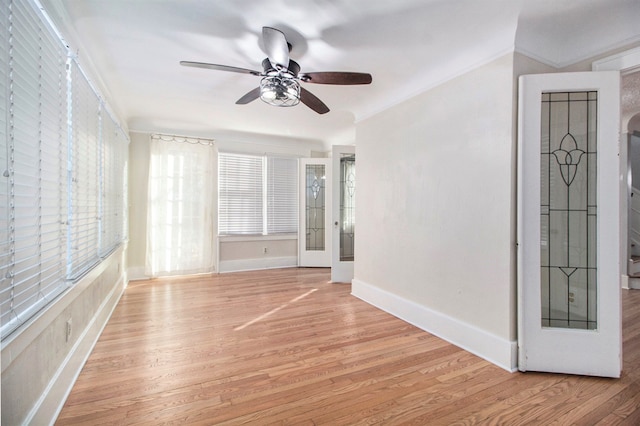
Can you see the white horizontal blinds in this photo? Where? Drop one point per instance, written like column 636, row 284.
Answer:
column 34, row 176
column 282, row 195
column 119, row 195
column 85, row 181
column 113, row 156
column 53, row 163
column 46, row 236
column 257, row 195
column 6, row 283
column 240, row 194
column 122, row 148
column 105, row 139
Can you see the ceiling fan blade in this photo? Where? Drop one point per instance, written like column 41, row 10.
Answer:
column 312, row 101
column 218, row 67
column 275, row 43
column 249, row 97
column 336, row 77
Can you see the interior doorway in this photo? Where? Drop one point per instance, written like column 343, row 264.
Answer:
column 628, row 64
column 630, row 154
column 633, row 209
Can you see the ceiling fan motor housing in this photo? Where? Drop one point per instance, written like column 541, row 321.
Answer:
column 294, row 68
column 280, row 87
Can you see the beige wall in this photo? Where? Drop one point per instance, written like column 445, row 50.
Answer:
column 235, row 250
column 247, row 253
column 138, row 181
column 436, row 174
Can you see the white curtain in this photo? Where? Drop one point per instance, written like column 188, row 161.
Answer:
column 182, row 203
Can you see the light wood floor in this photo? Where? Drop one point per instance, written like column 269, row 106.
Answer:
column 286, row 347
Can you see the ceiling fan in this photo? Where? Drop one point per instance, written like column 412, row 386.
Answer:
column 281, row 75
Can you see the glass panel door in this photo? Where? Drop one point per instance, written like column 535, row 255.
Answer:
column 315, row 207
column 347, row 206
column 344, row 213
column 569, row 318
column 314, row 239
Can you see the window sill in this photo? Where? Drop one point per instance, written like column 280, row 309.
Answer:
column 246, row 238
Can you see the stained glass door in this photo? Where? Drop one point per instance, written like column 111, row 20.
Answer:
column 569, row 224
column 344, row 209
column 314, row 231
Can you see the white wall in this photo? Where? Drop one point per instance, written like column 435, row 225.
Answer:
column 435, row 219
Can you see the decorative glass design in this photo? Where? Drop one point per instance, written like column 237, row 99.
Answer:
column 568, row 210
column 315, row 206
column 347, row 206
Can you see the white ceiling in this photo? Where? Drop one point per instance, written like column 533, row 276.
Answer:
column 407, row 45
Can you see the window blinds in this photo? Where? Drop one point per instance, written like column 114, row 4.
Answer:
column 114, row 171
column 5, row 253
column 282, row 195
column 53, row 157
column 33, row 166
column 257, row 195
column 240, row 194
column 85, row 174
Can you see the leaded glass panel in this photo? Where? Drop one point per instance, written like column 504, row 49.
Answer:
column 347, row 206
column 568, row 210
column 315, row 207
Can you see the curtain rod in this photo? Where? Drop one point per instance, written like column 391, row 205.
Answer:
column 187, row 139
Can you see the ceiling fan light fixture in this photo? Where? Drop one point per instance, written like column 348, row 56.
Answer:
column 280, row 75
column 280, row 90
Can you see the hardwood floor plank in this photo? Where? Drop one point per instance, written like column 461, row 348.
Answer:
column 287, row 347
column 594, row 405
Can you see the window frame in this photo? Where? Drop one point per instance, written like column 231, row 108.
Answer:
column 264, row 208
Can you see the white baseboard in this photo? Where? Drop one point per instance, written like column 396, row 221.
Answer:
column 256, row 264
column 495, row 349
column 624, row 281
column 136, row 273
column 633, row 283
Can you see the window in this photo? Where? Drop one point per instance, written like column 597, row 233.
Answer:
column 85, row 175
column 240, row 194
column 257, row 195
column 114, row 152
column 60, row 154
column 282, row 195
column 181, row 206
column 32, row 259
